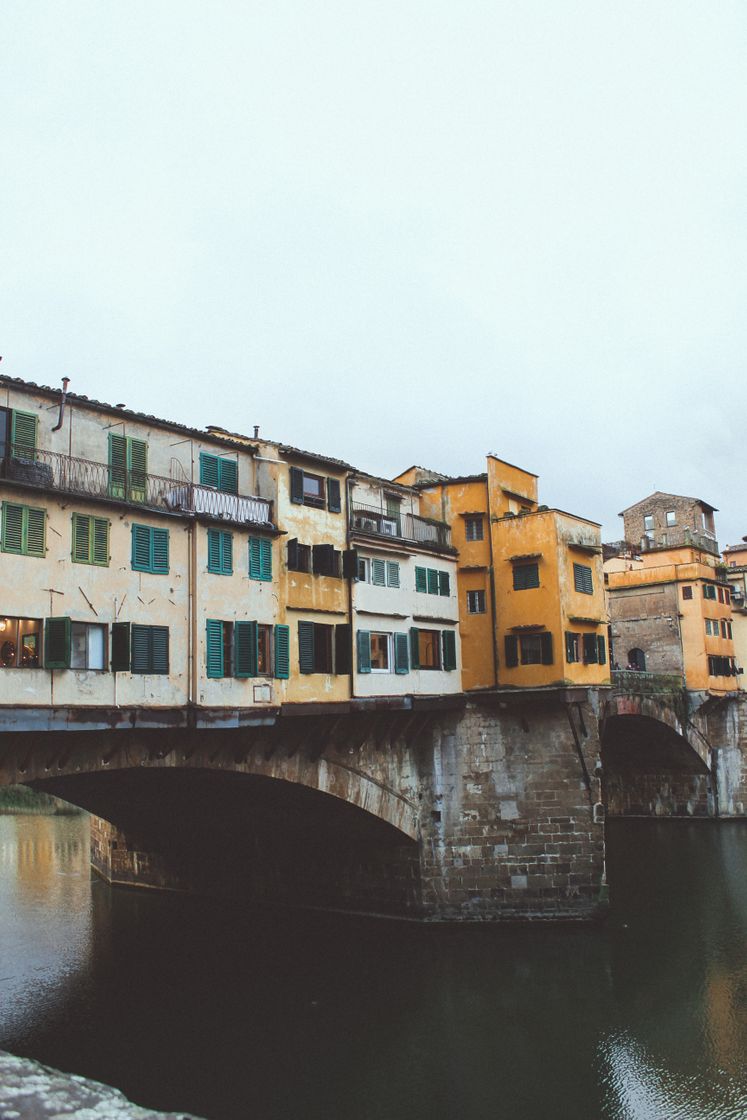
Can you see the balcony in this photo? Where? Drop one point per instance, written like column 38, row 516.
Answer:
column 47, row 470
column 374, row 522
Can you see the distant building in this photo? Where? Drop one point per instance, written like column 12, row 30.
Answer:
column 735, row 559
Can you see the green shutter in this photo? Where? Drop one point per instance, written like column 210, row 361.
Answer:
column 306, row 647
column 448, row 644
column 415, row 645
column 81, row 539
column 214, row 551
column 213, row 647
column 590, row 649
column 35, row 523
column 582, row 580
column 363, row 643
column 209, row 471
column 141, row 548
column 265, row 559
column 23, row 434
column 601, row 650
column 245, row 638
column 120, row 659
column 392, row 573
column 255, row 564
column 282, row 652
column 342, row 648
column 12, row 540
column 421, row 579
column 401, row 660
column 546, row 648
column 140, row 649
column 432, row 581
column 228, row 476
column 378, row 573
column 333, row 495
column 137, row 462
column 159, row 639
column 227, row 552
column 160, row 551
column 117, row 465
column 57, row 643
column 443, row 583
column 296, row 486
column 511, row 646
column 100, row 550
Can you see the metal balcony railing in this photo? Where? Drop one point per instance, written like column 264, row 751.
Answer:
column 48, row 470
column 400, row 526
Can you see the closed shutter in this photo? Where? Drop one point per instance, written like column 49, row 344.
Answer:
column 378, row 573
column 117, row 465
column 590, row 649
column 12, row 540
column 35, row 523
column 306, row 647
column 333, row 495
column 601, row 650
column 421, row 579
column 226, row 559
column 392, row 573
column 254, row 558
column 228, row 476
column 282, row 652
column 546, row 648
column 363, row 643
column 160, row 551
column 100, row 553
column 296, row 485
column 208, row 470
column 213, row 648
column 265, row 559
column 432, row 581
column 57, row 643
column 511, row 647
column 81, row 539
column 245, row 648
column 448, row 643
column 159, row 637
column 401, row 659
column 141, row 548
column 140, row 649
column 137, row 451
column 343, row 634
column 23, row 434
column 526, row 576
column 322, row 559
column 443, row 583
column 214, row 550
column 582, row 579
column 120, row 661
column 415, row 646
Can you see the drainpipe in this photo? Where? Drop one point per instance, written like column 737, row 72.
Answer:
column 63, row 398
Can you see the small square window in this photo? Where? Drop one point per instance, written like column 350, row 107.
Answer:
column 671, row 517
column 473, row 528
column 476, row 602
column 687, row 592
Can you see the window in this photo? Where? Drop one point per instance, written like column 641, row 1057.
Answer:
column 375, row 652
column 526, row 576
column 220, row 552
column 219, row 472
column 314, row 490
column 721, row 667
column 727, row 595
column 475, row 602
column 140, row 649
column 648, row 522
column 473, row 528
column 362, row 570
column 709, row 591
column 90, row 540
column 591, row 649
column 260, row 558
column 264, row 650
column 87, row 646
column 724, row 632
column 382, row 573
column 432, row 581
column 533, row 649
column 325, row 560
column 150, row 549
column 582, row 579
column 299, row 556
column 380, row 653
column 572, row 643
column 17, row 434
column 20, row 643
column 315, row 647
column 671, row 517
column 128, row 466
column 23, row 530
column 426, row 649
column 687, row 592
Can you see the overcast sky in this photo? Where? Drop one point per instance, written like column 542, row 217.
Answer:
column 393, row 231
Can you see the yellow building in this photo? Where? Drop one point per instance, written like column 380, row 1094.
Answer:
column 735, row 559
column 531, row 598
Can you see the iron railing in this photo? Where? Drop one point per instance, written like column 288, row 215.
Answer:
column 48, row 470
column 400, row 526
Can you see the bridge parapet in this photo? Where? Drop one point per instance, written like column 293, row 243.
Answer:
column 646, row 684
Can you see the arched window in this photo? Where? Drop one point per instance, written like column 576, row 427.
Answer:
column 637, row 659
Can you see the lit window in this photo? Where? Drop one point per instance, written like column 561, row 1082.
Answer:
column 20, row 640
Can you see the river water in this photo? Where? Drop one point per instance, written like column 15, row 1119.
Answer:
column 190, row 1004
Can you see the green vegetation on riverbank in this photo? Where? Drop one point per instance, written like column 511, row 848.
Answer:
column 21, row 799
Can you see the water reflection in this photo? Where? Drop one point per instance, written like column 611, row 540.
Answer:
column 197, row 1005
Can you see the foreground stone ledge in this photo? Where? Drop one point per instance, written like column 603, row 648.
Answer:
column 31, row 1091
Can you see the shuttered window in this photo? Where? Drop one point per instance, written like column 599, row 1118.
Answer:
column 571, row 647
column 392, row 573
column 90, row 540
column 314, row 647
column 511, row 651
column 601, row 650
column 246, row 649
column 260, row 558
column 526, row 576
column 23, row 427
column 448, row 643
column 219, row 472
column 401, row 654
column 443, row 583
column 282, row 652
column 421, row 579
column 57, row 643
column 334, row 504
column 582, row 579
column 378, row 573
column 128, row 467
column 220, row 551
column 343, row 652
column 149, row 649
column 23, row 530
column 306, row 647
column 591, row 652
column 363, row 644
column 150, row 549
column 432, row 581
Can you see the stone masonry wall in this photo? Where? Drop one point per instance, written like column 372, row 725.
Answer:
column 647, row 618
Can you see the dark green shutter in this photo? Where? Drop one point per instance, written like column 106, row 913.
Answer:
column 140, row 648
column 141, row 548
column 265, row 559
column 296, row 485
column 401, row 660
column 582, row 579
column 282, row 652
column 363, row 644
column 159, row 640
column 160, row 551
column 292, row 560
column 81, row 539
column 448, row 643
column 306, row 647
column 137, row 461
column 432, row 581
column 12, row 540
column 209, row 475
column 226, row 553
column 342, row 648
column 213, row 648
column 323, row 560
column 246, row 636
column 214, row 550
column 526, row 576
column 35, row 524
column 590, row 649
column 100, row 550
column 57, row 643
column 421, row 579
column 415, row 645
column 392, row 573
column 120, row 661
column 443, row 583
column 378, row 573
column 511, row 646
column 23, row 434
column 228, row 476
column 601, row 650
column 546, row 648
column 333, row 495
column 117, row 465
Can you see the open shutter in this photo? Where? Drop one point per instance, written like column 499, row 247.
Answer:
column 282, row 652
column 421, row 579
column 601, row 650
column 117, row 465
column 378, row 573
column 214, row 647
column 226, row 558
column 415, row 646
column 511, row 647
column 23, row 434
column 245, row 638
column 159, row 640
column 306, row 647
column 100, row 553
column 448, row 644
column 57, row 643
column 350, row 563
column 342, row 648
column 392, row 573
column 293, row 555
column 12, row 527
column 443, row 583
column 137, row 456
column 363, row 644
column 432, row 581
column 296, row 485
column 160, row 551
column 590, row 649
column 35, row 523
column 81, row 538
column 401, row 660
column 228, row 476
column 333, row 495
column 209, row 470
column 120, row 660
column 546, row 648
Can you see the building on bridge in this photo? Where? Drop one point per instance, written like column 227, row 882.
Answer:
column 735, row 560
column 670, row 602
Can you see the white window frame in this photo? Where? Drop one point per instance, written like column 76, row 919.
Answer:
column 86, row 628
column 389, row 651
